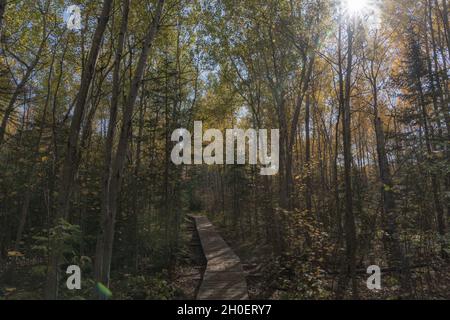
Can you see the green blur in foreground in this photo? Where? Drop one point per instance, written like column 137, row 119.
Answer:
column 103, row 290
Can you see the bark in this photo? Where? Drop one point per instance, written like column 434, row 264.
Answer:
column 70, row 164
column 350, row 228
column 23, row 216
column 119, row 159
column 349, row 223
column 308, row 67
column 110, row 137
column 308, row 194
column 444, row 94
column 277, row 87
column 3, row 4
column 137, row 187
column 397, row 257
column 429, row 147
column 446, row 23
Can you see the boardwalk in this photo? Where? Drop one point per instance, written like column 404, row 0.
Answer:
column 224, row 277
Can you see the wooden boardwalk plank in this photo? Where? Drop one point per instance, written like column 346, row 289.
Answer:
column 224, row 276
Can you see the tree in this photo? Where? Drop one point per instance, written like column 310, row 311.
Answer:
column 375, row 59
column 107, row 236
column 71, row 160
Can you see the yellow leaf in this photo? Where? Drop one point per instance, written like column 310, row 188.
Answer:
column 15, row 254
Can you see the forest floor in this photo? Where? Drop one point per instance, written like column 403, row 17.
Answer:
column 269, row 278
column 25, row 279
column 190, row 263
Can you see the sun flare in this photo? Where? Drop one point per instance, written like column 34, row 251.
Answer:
column 356, row 6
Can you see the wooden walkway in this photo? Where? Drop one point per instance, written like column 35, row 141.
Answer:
column 224, row 277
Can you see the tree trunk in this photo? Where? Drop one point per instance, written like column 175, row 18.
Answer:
column 349, row 223
column 3, row 4
column 110, row 139
column 119, row 160
column 308, row 194
column 397, row 257
column 434, row 179
column 70, row 164
column 446, row 23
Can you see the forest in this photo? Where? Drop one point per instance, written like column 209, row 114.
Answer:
column 91, row 93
